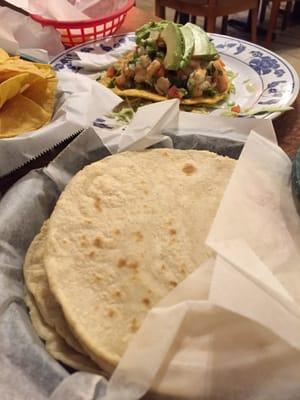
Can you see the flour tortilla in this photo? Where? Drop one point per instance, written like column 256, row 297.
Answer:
column 37, row 283
column 126, row 231
column 55, row 345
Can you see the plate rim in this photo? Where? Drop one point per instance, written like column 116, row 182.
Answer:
column 293, row 72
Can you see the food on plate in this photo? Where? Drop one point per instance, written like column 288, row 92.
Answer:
column 170, row 61
column 27, row 95
column 120, row 238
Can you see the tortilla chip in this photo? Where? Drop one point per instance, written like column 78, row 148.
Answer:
column 3, row 56
column 42, row 92
column 14, row 67
column 11, row 87
column 20, row 114
column 46, row 70
column 27, row 95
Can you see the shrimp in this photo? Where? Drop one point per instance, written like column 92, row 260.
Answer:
column 140, row 74
column 194, row 84
column 145, row 60
column 128, row 72
column 222, row 83
column 152, row 69
column 162, row 85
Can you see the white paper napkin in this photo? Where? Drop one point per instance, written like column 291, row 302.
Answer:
column 99, row 62
column 21, row 35
column 148, row 123
column 64, row 10
column 230, row 330
column 56, row 9
column 92, row 61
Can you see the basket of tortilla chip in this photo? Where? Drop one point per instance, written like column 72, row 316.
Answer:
column 171, row 61
column 27, row 95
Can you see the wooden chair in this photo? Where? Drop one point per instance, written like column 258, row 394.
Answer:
column 210, row 10
column 192, row 19
column 273, row 17
column 286, row 12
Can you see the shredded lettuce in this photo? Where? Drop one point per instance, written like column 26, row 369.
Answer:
column 231, row 74
column 125, row 115
column 257, row 111
column 232, row 88
column 112, row 83
column 143, row 32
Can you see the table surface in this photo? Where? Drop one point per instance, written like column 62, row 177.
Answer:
column 287, row 126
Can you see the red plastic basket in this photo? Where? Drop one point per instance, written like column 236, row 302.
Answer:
column 76, row 32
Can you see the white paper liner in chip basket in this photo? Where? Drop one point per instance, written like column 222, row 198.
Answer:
column 218, row 348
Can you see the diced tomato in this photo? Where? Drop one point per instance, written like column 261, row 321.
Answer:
column 173, row 93
column 161, row 72
column 111, row 72
column 236, row 109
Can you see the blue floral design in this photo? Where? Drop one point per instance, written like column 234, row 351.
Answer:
column 87, row 49
column 59, row 66
column 105, row 48
column 274, row 84
column 279, row 72
column 264, row 65
column 66, row 62
column 239, row 49
column 256, row 53
column 101, row 123
column 274, row 91
column 269, row 102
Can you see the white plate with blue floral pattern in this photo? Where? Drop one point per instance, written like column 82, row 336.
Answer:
column 265, row 84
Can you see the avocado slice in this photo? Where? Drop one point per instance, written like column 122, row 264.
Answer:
column 189, row 44
column 174, row 41
column 203, row 48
